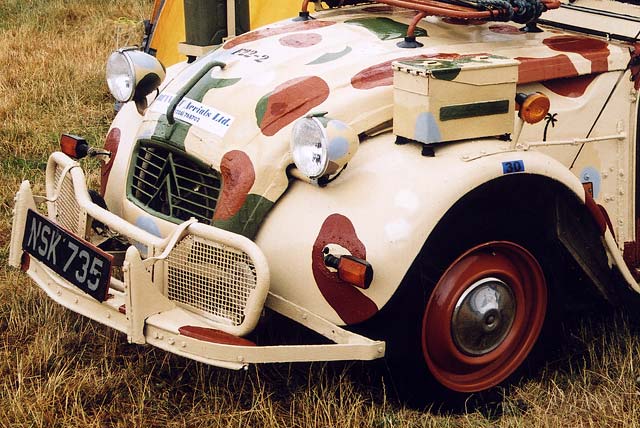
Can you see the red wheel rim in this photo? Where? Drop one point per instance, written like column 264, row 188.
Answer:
column 470, row 353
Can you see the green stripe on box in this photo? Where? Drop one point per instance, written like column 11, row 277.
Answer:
column 463, row 111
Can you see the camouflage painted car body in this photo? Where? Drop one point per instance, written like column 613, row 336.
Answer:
column 341, row 63
column 232, row 112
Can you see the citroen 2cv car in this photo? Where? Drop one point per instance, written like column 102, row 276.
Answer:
column 411, row 179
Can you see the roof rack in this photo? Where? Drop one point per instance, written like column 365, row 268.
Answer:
column 521, row 11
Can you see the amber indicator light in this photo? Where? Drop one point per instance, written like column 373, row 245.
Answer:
column 351, row 269
column 74, row 146
column 533, row 107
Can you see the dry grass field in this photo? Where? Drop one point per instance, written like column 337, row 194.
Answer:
column 58, row 369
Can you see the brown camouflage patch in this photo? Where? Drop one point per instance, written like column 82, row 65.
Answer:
column 537, row 69
column 213, row 335
column 596, row 51
column 238, row 177
column 276, row 31
column 570, row 88
column 634, row 66
column 290, row 101
column 382, row 74
column 597, row 211
column 111, row 144
column 301, row 40
column 349, row 302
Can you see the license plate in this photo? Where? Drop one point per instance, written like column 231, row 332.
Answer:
column 76, row 260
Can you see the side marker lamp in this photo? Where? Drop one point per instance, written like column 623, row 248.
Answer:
column 532, row 107
column 74, row 146
column 351, row 269
column 77, row 147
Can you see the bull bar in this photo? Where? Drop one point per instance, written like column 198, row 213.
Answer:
column 152, row 302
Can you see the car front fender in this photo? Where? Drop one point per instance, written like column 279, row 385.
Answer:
column 382, row 208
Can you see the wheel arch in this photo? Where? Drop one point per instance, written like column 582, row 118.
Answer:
column 570, row 221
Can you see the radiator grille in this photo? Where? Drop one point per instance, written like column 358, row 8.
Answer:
column 67, row 209
column 210, row 278
column 170, row 183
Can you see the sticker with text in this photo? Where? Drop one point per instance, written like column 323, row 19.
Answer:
column 161, row 103
column 512, row 166
column 202, row 116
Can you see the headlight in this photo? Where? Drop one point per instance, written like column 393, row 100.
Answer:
column 321, row 146
column 133, row 74
column 309, row 147
column 120, row 77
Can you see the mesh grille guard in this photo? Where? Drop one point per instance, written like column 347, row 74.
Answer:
column 211, row 279
column 172, row 184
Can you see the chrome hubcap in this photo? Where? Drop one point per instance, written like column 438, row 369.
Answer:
column 483, row 316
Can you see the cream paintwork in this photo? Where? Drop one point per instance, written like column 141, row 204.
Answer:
column 584, row 109
column 614, row 160
column 130, row 123
column 406, row 220
column 269, row 154
column 365, row 109
column 583, row 19
column 157, row 248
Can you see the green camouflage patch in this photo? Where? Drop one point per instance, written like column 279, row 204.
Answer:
column 385, row 28
column 173, row 134
column 446, row 73
column 261, row 107
column 331, row 56
column 463, row 111
column 207, row 83
column 249, row 218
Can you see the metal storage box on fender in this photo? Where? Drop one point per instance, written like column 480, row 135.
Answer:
column 446, row 99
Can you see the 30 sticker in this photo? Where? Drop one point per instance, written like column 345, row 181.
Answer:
column 511, row 167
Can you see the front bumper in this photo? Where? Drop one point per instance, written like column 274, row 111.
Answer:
column 193, row 293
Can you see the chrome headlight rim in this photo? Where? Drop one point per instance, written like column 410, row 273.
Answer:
column 296, row 144
column 131, row 75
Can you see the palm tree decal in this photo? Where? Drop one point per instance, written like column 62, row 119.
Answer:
column 551, row 119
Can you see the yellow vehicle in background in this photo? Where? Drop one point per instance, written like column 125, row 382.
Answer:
column 166, row 28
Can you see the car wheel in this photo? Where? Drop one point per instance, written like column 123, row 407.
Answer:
column 484, row 316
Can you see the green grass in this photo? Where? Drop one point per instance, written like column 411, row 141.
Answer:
column 58, row 369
